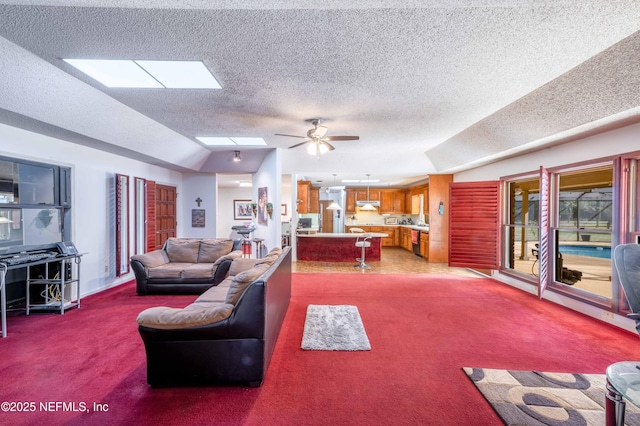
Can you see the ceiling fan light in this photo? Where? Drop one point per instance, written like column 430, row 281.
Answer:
column 323, row 148
column 312, row 148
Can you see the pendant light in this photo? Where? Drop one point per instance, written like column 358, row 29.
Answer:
column 368, row 207
column 333, row 205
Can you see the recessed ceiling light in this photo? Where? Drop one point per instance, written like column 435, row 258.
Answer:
column 147, row 74
column 234, row 141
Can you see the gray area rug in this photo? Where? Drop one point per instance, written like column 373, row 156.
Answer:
column 334, row 328
column 535, row 398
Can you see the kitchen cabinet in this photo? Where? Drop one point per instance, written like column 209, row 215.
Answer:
column 314, row 200
column 350, row 201
column 391, row 201
column 424, row 245
column 373, row 195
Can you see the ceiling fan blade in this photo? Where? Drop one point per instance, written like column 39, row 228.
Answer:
column 299, row 144
column 342, row 138
column 320, row 131
column 291, row 136
column 331, row 147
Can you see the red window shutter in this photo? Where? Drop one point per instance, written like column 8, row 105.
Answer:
column 150, row 197
column 474, row 224
column 543, row 248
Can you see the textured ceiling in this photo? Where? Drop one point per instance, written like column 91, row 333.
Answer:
column 429, row 86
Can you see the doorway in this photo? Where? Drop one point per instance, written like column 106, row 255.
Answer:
column 326, row 224
column 165, row 213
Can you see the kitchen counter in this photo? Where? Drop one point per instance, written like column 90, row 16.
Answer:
column 423, row 228
column 337, row 247
column 351, row 235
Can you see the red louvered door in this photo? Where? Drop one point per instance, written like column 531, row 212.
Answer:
column 474, row 224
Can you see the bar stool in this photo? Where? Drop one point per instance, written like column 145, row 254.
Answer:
column 363, row 241
column 246, row 247
column 258, row 242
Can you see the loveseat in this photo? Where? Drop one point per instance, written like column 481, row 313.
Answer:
column 227, row 335
column 184, row 265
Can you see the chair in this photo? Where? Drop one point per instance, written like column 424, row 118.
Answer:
column 626, row 257
column 363, row 241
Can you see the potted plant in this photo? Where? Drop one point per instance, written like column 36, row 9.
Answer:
column 270, row 209
column 254, row 207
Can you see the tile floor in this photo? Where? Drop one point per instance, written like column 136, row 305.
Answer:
column 394, row 260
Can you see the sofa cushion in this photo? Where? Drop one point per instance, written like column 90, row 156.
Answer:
column 212, row 249
column 183, row 250
column 166, row 318
column 169, row 270
column 241, row 264
column 152, row 259
column 198, row 270
column 242, row 281
column 215, row 294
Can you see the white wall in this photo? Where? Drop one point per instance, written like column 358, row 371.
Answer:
column 203, row 187
column 226, row 197
column 93, row 174
column 615, row 142
column 270, row 175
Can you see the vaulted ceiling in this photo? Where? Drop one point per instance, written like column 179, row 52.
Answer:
column 429, row 86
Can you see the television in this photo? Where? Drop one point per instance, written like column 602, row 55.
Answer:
column 304, row 222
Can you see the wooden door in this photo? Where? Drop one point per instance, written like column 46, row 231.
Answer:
column 165, row 214
column 327, row 217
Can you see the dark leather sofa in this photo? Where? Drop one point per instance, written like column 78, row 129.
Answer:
column 174, row 277
column 237, row 349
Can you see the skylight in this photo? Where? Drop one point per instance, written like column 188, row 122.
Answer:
column 231, row 141
column 147, row 74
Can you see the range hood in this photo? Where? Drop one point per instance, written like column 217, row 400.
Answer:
column 373, row 203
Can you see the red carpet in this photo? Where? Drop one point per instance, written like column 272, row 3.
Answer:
column 422, row 329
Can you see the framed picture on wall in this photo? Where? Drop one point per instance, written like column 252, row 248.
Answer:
column 242, row 209
column 283, row 209
column 197, row 218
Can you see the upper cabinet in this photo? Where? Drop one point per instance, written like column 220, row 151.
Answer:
column 308, row 198
column 314, row 199
column 392, row 201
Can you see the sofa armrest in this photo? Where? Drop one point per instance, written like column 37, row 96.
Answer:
column 195, row 315
column 152, row 259
column 221, row 271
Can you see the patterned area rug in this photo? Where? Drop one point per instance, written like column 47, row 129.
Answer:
column 535, row 398
column 334, row 328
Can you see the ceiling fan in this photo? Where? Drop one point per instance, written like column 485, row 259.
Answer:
column 318, row 142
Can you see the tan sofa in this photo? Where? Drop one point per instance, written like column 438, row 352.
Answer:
column 227, row 334
column 184, row 265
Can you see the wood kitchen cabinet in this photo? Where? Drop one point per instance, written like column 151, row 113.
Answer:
column 391, row 201
column 314, row 200
column 424, row 245
column 350, row 201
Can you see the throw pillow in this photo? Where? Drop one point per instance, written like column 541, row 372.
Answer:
column 213, row 249
column 242, row 281
column 182, row 251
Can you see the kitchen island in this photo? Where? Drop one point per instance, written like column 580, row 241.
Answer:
column 337, row 247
